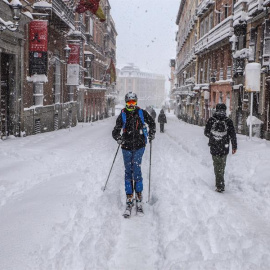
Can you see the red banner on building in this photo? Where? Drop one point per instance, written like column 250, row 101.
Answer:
column 38, row 36
column 74, row 56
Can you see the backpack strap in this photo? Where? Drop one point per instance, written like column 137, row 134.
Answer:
column 124, row 120
column 141, row 116
column 145, row 133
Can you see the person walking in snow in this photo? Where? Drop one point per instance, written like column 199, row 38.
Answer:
column 153, row 114
column 162, row 120
column 220, row 131
column 133, row 140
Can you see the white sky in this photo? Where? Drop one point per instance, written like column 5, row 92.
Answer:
column 146, row 33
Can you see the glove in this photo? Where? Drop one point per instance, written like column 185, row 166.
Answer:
column 151, row 137
column 119, row 140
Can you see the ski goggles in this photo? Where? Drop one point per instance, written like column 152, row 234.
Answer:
column 131, row 102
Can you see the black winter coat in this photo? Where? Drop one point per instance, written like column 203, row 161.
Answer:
column 133, row 137
column 162, row 118
column 153, row 114
column 221, row 147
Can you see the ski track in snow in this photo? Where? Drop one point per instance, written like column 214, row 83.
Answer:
column 74, row 225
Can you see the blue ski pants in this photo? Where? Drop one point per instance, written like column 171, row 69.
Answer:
column 132, row 161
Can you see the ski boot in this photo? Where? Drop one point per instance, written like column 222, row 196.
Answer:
column 129, row 205
column 139, row 203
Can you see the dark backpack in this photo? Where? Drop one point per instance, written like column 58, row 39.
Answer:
column 124, row 119
column 219, row 129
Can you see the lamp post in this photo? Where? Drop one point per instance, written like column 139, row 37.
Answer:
column 88, row 62
column 16, row 7
column 67, row 50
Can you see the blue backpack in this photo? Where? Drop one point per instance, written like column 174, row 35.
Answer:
column 124, row 119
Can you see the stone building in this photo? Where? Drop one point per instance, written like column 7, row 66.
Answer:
column 185, row 70
column 228, row 35
column 251, row 43
column 149, row 87
column 204, row 59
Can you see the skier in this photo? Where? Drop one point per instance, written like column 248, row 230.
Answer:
column 153, row 113
column 133, row 141
column 162, row 120
column 220, row 131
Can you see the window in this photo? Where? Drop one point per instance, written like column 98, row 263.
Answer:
column 252, row 44
column 202, row 29
column 206, row 25
column 218, row 16
column 226, row 11
column 91, row 26
column 266, row 51
column 211, row 24
column 220, row 100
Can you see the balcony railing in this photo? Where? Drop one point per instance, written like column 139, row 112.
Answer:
column 240, row 9
column 64, row 13
column 255, row 7
column 204, row 6
column 220, row 32
column 188, row 59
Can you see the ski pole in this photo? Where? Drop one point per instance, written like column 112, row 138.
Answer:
column 111, row 167
column 150, row 171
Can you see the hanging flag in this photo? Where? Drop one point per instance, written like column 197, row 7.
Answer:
column 111, row 71
column 93, row 6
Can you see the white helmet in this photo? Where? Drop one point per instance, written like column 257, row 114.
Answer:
column 130, row 96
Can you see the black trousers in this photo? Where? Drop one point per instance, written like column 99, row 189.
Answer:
column 161, row 127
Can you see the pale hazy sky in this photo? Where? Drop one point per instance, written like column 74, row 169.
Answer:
column 146, row 33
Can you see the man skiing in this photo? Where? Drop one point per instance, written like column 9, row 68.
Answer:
column 220, row 131
column 162, row 120
column 133, row 140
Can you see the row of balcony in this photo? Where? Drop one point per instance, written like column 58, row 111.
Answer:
column 220, row 32
column 188, row 30
column 189, row 57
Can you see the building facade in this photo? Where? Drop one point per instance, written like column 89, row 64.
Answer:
column 53, row 69
column 203, row 58
column 225, row 37
column 12, row 73
column 149, row 87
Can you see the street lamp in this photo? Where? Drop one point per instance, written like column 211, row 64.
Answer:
column 67, row 50
column 16, row 7
column 88, row 62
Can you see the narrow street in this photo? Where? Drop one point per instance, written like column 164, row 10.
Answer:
column 54, row 214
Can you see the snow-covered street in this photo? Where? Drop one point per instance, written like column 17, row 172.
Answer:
column 55, row 216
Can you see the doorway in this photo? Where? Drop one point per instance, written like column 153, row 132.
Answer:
column 7, row 74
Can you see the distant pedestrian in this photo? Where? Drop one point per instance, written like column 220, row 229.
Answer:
column 153, row 114
column 162, row 120
column 220, row 131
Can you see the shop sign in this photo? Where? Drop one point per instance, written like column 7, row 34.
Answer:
column 38, row 36
column 74, row 56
